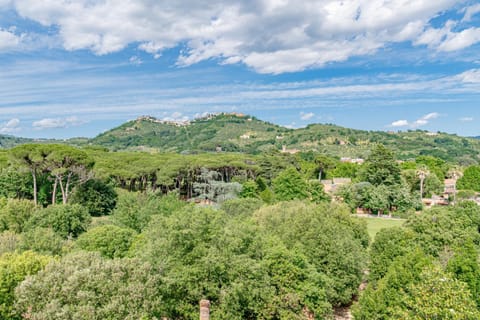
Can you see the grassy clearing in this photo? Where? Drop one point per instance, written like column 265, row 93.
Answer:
column 376, row 224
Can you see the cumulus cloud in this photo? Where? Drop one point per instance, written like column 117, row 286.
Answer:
column 422, row 121
column 268, row 36
column 55, row 123
column 399, row 123
column 447, row 39
column 11, row 126
column 306, row 116
column 8, row 39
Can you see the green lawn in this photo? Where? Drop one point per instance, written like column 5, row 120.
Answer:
column 375, row 224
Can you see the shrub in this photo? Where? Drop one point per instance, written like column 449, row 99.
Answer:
column 66, row 220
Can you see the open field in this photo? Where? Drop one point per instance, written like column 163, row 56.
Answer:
column 376, row 224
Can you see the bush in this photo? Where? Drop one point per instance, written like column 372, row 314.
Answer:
column 381, row 299
column 98, row 197
column 243, row 274
column 334, row 243
column 66, row 220
column 134, row 210
column 15, row 214
column 14, row 267
column 86, row 286
column 415, row 288
column 9, row 242
column 42, row 240
column 111, row 241
column 241, row 207
column 289, row 185
column 389, row 244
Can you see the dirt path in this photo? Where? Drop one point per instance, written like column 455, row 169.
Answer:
column 343, row 313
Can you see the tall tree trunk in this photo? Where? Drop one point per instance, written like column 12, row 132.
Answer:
column 54, row 192
column 62, row 188
column 421, row 188
column 320, row 172
column 67, row 187
column 34, row 177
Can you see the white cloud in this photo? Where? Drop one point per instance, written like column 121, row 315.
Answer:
column 13, row 125
column 306, row 116
column 425, row 119
column 399, row 123
column 445, row 39
column 466, row 119
column 5, row 4
column 103, row 95
column 8, row 40
column 55, row 123
column 136, row 61
column 431, row 116
column 469, row 76
column 175, row 117
column 470, row 12
column 422, row 121
column 460, row 40
column 268, row 36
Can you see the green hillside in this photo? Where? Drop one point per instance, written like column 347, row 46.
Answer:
column 230, row 132
column 243, row 133
column 353, row 143
column 240, row 133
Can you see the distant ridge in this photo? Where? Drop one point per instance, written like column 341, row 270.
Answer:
column 237, row 132
column 8, row 141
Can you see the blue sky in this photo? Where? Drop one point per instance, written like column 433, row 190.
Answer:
column 77, row 68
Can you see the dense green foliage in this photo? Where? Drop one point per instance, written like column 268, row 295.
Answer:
column 86, row 286
column 333, row 242
column 138, row 235
column 289, row 185
column 470, row 179
column 9, row 242
column 415, row 288
column 381, row 167
column 14, row 214
column 42, row 240
column 134, row 210
column 65, row 220
column 257, row 270
column 98, row 197
column 111, row 241
column 427, row 270
column 15, row 184
column 14, row 268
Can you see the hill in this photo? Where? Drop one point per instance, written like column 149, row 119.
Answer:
column 232, row 132
column 241, row 133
